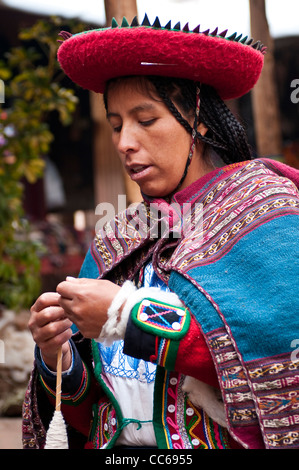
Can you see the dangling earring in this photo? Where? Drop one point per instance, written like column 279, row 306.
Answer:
column 194, row 133
column 193, row 138
column 194, row 130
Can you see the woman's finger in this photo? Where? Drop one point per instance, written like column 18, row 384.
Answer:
column 46, row 299
column 48, row 315
column 56, row 328
column 50, row 346
column 50, row 331
column 67, row 306
column 67, row 289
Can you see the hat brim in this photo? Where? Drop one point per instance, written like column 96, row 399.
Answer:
column 91, row 58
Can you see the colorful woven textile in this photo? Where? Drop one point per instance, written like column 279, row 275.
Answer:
column 233, row 261
column 236, row 268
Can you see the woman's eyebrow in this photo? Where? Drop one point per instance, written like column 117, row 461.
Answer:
column 135, row 109
column 142, row 107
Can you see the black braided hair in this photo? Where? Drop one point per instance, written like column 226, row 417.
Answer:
column 225, row 133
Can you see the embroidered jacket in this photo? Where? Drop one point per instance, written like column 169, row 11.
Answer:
column 233, row 262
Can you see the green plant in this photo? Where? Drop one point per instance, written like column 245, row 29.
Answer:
column 33, row 89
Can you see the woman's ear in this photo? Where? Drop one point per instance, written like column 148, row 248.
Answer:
column 202, row 128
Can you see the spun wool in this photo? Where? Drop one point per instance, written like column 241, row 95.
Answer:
column 57, row 435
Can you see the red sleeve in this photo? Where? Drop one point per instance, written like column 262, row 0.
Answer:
column 194, row 358
column 170, row 337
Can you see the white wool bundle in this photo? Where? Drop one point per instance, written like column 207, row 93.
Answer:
column 57, row 436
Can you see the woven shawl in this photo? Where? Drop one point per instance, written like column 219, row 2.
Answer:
column 233, row 260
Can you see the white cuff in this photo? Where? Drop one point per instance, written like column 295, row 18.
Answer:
column 150, row 293
column 115, row 327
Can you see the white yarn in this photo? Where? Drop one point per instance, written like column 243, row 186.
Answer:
column 57, row 436
column 151, row 293
column 115, row 327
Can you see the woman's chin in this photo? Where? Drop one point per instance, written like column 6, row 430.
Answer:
column 155, row 193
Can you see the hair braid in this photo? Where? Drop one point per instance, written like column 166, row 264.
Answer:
column 161, row 88
column 225, row 134
column 224, row 128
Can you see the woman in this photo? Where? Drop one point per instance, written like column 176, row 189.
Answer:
column 184, row 295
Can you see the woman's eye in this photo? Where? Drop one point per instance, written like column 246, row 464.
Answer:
column 116, row 129
column 149, row 122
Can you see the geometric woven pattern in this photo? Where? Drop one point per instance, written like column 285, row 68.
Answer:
column 161, row 319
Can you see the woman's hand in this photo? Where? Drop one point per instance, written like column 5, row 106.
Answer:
column 50, row 329
column 86, row 301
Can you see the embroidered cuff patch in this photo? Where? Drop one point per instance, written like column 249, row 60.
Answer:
column 161, row 319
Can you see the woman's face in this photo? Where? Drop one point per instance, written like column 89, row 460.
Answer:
column 153, row 146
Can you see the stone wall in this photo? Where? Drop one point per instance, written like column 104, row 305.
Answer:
column 16, row 360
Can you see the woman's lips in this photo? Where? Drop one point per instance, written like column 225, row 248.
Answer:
column 138, row 172
column 138, row 168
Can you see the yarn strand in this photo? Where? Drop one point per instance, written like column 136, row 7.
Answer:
column 58, row 380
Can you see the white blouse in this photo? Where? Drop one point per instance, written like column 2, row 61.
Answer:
column 132, row 382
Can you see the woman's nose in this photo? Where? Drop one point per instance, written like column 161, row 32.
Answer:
column 127, row 140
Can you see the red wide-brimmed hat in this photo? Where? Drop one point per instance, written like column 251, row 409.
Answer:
column 231, row 64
